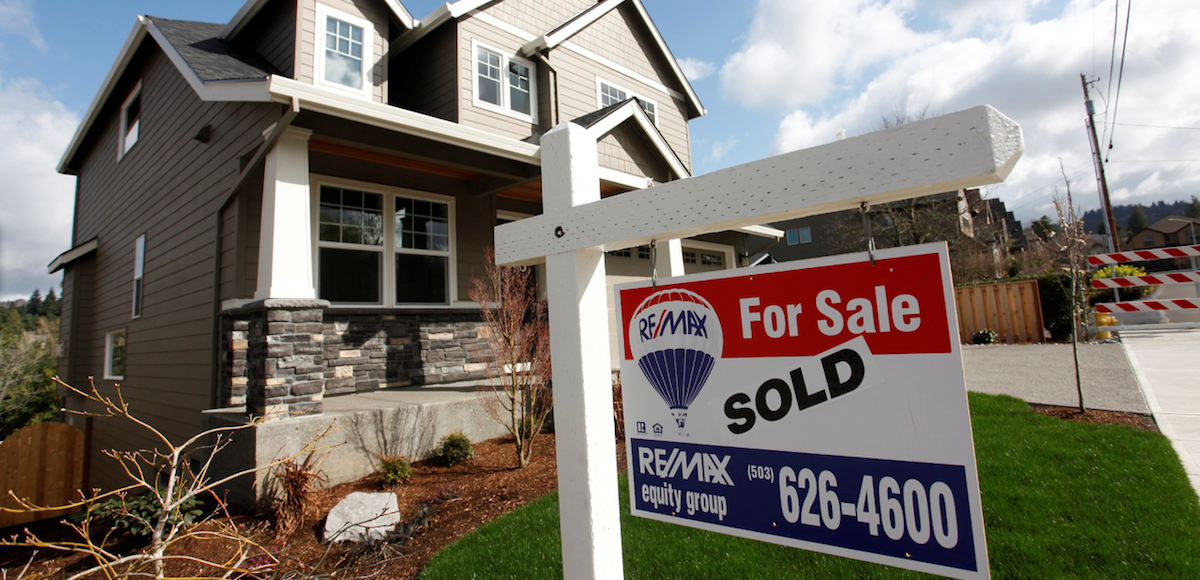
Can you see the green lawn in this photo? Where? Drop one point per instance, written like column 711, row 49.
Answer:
column 1060, row 500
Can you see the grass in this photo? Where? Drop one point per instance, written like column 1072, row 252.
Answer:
column 1060, row 499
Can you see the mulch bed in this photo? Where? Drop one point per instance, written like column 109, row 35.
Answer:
column 456, row 500
column 1097, row 417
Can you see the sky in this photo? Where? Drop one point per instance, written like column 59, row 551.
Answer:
column 774, row 75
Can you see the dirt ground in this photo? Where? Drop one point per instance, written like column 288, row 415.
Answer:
column 443, row 502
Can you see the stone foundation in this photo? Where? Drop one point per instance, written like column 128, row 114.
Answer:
column 281, row 357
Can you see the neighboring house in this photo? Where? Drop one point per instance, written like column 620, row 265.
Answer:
column 292, row 205
column 1175, row 230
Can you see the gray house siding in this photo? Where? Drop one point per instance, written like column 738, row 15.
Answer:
column 426, row 76
column 168, row 187
column 272, row 34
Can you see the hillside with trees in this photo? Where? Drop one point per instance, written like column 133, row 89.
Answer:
column 28, row 333
column 1093, row 219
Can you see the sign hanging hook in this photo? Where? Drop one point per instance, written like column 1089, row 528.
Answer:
column 654, row 265
column 864, row 208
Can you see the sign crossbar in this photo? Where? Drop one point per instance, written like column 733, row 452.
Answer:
column 1147, row 280
column 1144, row 255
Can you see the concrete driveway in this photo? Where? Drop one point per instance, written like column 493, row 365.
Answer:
column 1045, row 373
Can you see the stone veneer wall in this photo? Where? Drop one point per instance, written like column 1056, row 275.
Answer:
column 295, row 357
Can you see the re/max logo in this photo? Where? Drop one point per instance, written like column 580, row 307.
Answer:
column 704, row 467
column 668, row 322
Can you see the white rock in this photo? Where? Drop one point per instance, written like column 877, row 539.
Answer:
column 362, row 517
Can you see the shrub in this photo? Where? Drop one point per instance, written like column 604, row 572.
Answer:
column 1119, row 271
column 297, row 485
column 137, row 514
column 456, row 448
column 394, row 470
column 985, row 336
column 1054, row 290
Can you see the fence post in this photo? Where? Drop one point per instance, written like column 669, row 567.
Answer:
column 589, row 509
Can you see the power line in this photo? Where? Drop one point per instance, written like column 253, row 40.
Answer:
column 1112, row 60
column 1157, row 126
column 1120, row 75
column 1156, row 161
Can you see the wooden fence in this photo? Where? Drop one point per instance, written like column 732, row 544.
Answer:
column 43, row 464
column 1012, row 309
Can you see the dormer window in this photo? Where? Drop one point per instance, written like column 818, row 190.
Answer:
column 610, row 94
column 505, row 84
column 131, row 121
column 344, row 59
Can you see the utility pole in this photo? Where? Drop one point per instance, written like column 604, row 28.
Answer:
column 1114, row 241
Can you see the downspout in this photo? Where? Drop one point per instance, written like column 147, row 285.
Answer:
column 553, row 74
column 270, row 138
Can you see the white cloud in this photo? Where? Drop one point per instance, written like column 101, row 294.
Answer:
column 696, row 69
column 720, row 148
column 867, row 59
column 35, row 225
column 16, row 17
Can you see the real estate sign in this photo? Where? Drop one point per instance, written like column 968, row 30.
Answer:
column 818, row 404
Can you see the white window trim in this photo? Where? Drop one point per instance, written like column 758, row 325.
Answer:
column 139, row 272
column 368, row 55
column 699, row 246
column 504, row 107
column 122, row 146
column 108, row 352
column 628, row 93
column 388, row 249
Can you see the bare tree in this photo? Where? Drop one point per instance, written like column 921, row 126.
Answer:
column 1072, row 242
column 163, row 476
column 519, row 339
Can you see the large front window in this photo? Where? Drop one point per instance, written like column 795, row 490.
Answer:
column 344, row 55
column 380, row 248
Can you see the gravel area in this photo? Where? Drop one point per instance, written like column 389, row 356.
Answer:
column 1045, row 374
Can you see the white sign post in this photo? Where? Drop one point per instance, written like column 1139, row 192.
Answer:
column 970, row 148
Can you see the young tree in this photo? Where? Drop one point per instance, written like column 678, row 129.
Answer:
column 519, row 341
column 1137, row 220
column 1073, row 243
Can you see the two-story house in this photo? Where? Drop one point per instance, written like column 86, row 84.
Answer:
column 292, row 205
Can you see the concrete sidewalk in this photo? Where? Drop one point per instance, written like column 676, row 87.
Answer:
column 1045, row 374
column 1167, row 364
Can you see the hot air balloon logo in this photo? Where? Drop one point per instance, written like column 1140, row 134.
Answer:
column 675, row 338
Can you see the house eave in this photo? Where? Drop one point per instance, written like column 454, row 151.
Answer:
column 251, row 8
column 73, row 254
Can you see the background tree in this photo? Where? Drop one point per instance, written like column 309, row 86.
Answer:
column 1193, row 209
column 34, row 306
column 519, row 341
column 1137, row 220
column 52, row 305
column 1044, row 228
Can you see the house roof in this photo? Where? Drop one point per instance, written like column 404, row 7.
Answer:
column 251, row 8
column 1172, row 224
column 212, row 58
column 560, row 34
column 601, row 122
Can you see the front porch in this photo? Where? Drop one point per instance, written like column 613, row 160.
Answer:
column 406, row 421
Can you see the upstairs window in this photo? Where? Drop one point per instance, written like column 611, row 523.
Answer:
column 505, row 84
column 131, row 121
column 345, row 50
column 139, row 268
column 805, row 235
column 608, row 94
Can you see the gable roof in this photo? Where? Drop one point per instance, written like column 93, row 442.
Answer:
column 252, row 7
column 559, row 35
column 600, row 123
column 1172, row 224
column 212, row 58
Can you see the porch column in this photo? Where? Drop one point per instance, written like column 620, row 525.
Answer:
column 285, row 264
column 670, row 258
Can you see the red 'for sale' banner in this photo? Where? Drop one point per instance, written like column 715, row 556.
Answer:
column 896, row 305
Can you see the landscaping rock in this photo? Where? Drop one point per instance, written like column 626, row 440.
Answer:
column 362, row 517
